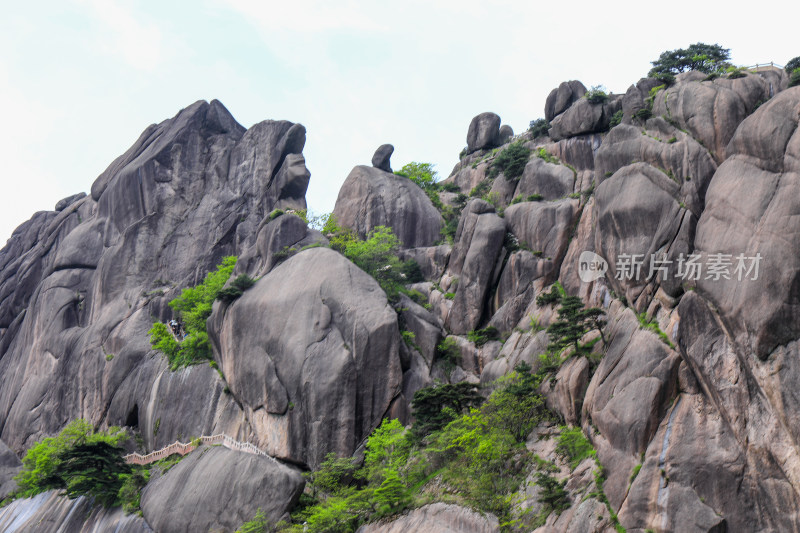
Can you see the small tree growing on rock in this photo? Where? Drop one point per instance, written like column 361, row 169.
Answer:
column 573, row 323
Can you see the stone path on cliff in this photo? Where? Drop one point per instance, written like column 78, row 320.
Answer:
column 182, row 448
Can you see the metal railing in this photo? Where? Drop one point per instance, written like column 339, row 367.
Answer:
column 761, row 67
column 182, row 448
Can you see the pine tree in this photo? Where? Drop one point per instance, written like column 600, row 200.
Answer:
column 573, row 323
column 392, row 494
column 93, row 469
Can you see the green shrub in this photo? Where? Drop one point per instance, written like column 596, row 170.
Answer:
column 109, row 356
column 482, row 336
column 552, row 493
column 449, row 187
column 130, row 491
column 511, row 161
column 93, row 469
column 259, row 524
column 514, row 407
column 481, row 189
column 236, row 288
column 333, row 474
column 665, row 77
column 377, row 256
column 543, row 154
column 425, row 177
column 409, row 338
column 735, row 73
column 539, row 127
column 794, row 79
column 597, row 94
column 792, row 65
column 616, row 119
column 417, row 297
column 652, row 325
column 573, row 446
column 422, row 174
column 392, row 495
column 275, row 214
column 553, row 296
column 534, row 198
column 435, row 407
column 448, row 352
column 643, row 114
column 672, row 140
column 635, row 472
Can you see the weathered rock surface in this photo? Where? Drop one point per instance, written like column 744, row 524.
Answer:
column 696, row 428
column 371, row 197
column 277, row 239
column 313, row 360
column 545, row 228
column 49, row 512
column 216, row 488
column 584, row 117
column 484, row 132
column 87, row 281
column 711, row 110
column 548, row 180
column 751, row 206
column 562, row 97
column 635, row 98
column 438, row 518
column 662, row 146
column 432, row 260
column 479, row 240
column 627, row 397
column 639, row 218
column 10, row 465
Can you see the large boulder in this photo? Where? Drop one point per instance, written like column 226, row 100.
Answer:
column 562, row 97
column 584, row 117
column 550, row 181
column 639, row 218
column 381, row 157
column 311, row 354
column 636, row 97
column 627, row 397
column 750, row 211
column 545, row 229
column 215, row 488
column 484, row 132
column 479, row 240
column 711, row 110
column 371, row 197
column 662, row 146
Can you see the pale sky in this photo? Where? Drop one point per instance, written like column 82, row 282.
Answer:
column 82, row 78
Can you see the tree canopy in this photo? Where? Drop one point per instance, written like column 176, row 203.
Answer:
column 702, row 57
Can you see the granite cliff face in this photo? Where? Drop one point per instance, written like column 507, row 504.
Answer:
column 311, row 357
